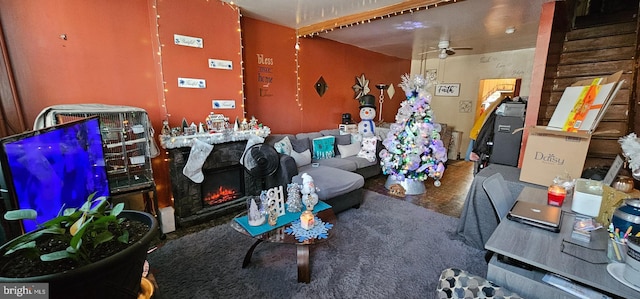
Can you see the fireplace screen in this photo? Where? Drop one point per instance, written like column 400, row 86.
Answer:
column 222, row 185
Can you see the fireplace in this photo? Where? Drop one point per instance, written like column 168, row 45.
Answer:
column 223, row 185
column 223, row 190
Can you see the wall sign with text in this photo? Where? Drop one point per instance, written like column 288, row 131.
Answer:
column 448, row 89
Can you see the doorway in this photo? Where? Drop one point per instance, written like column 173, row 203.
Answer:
column 490, row 93
column 491, row 90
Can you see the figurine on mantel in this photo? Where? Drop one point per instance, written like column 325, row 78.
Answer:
column 309, row 196
column 166, row 130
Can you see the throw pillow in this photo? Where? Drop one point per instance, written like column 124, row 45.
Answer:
column 303, row 158
column 356, row 138
column 283, row 146
column 349, row 150
column 323, row 147
column 341, row 140
column 300, row 145
column 368, row 150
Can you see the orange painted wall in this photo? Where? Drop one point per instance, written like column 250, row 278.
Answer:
column 270, row 80
column 122, row 52
column 106, row 58
column 111, row 56
column 218, row 25
column 337, row 63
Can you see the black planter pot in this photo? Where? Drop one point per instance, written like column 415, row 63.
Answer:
column 117, row 276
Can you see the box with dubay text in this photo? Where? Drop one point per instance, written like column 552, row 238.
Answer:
column 550, row 153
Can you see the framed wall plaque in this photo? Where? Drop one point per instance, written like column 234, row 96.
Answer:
column 448, row 89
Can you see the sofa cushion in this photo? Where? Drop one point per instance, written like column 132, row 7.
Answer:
column 356, row 138
column 330, row 132
column 329, row 181
column 341, row 140
column 283, row 146
column 310, row 136
column 361, row 162
column 303, row 158
column 338, row 163
column 368, row 150
column 300, row 145
column 323, row 147
column 348, row 150
column 273, row 138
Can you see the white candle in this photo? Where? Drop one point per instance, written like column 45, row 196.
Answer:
column 306, row 220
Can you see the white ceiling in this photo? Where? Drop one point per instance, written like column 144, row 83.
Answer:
column 479, row 24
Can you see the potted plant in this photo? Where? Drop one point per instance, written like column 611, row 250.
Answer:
column 94, row 251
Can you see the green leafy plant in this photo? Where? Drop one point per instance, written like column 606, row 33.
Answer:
column 82, row 229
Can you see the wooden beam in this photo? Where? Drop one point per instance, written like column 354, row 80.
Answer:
column 367, row 16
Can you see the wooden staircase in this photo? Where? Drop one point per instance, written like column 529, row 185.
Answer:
column 588, row 53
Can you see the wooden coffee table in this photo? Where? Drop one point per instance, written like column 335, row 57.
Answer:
column 279, row 236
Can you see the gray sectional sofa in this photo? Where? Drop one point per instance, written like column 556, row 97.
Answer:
column 339, row 179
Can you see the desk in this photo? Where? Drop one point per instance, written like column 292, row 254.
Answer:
column 478, row 219
column 542, row 250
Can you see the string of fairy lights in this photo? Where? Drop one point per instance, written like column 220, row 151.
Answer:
column 163, row 104
column 241, row 92
column 380, row 17
column 297, row 72
column 165, row 89
column 298, row 97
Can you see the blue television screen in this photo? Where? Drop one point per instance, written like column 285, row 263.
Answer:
column 54, row 167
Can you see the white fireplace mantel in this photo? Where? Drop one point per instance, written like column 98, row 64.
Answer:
column 169, row 142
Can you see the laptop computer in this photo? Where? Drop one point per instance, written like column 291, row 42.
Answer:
column 538, row 215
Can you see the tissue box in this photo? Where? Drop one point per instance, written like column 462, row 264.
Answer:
column 587, row 197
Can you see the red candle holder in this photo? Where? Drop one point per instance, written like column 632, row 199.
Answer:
column 556, row 195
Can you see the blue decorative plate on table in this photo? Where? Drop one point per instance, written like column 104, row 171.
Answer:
column 318, row 231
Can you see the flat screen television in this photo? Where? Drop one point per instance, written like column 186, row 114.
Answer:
column 53, row 167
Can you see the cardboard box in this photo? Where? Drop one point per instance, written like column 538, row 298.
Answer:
column 551, row 153
column 562, row 146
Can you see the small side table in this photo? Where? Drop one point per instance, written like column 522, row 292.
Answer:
column 279, row 236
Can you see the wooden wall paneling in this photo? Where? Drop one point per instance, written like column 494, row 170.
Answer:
column 604, row 147
column 606, row 30
column 605, row 42
column 621, row 53
column 595, row 68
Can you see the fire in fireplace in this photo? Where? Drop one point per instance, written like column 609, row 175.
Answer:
column 223, row 185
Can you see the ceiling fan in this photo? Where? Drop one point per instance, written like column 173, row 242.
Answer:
column 444, row 49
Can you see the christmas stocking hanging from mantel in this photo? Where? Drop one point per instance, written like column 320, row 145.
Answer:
column 199, row 152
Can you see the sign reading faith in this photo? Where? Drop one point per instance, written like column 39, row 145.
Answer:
column 448, row 89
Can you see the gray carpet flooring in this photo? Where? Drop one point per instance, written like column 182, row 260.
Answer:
column 388, row 248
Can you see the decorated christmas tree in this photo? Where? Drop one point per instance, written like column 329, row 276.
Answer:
column 413, row 149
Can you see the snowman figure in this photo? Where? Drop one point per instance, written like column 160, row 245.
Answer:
column 367, row 113
column 309, row 196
